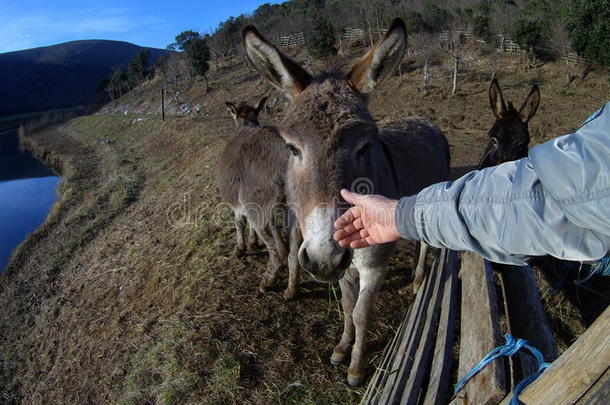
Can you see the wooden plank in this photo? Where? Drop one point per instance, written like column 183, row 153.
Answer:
column 575, row 371
column 387, row 372
column 421, row 364
column 479, row 334
column 526, row 316
column 599, row 393
column 443, row 350
column 405, row 354
column 373, row 390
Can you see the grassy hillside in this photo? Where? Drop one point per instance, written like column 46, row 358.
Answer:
column 131, row 294
column 62, row 75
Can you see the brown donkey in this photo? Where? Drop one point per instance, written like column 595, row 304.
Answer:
column 335, row 143
column 509, row 136
column 250, row 178
column 244, row 114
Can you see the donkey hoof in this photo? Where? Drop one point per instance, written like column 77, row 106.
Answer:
column 289, row 294
column 337, row 357
column 354, row 378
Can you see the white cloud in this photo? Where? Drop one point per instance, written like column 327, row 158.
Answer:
column 45, row 27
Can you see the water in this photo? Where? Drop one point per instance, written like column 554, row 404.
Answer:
column 27, row 193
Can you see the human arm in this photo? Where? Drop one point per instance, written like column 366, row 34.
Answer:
column 556, row 201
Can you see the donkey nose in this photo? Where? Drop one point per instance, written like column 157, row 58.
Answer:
column 325, row 267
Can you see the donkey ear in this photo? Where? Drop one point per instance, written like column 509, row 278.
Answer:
column 261, row 103
column 530, row 105
column 496, row 101
column 381, row 60
column 277, row 68
column 232, row 109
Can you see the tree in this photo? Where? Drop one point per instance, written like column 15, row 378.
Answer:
column 184, row 39
column 481, row 20
column 137, row 68
column 322, row 39
column 532, row 27
column 435, row 18
column 199, row 55
column 588, row 24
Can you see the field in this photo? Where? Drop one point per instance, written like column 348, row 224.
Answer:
column 131, row 294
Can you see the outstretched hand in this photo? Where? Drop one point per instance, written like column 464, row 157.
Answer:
column 369, row 222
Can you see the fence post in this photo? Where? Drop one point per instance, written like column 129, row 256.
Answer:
column 162, row 105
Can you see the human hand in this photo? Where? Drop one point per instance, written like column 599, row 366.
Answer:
column 369, row 222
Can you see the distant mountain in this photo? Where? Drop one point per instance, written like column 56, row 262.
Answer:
column 62, row 75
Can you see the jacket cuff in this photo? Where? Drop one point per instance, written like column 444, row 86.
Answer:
column 405, row 218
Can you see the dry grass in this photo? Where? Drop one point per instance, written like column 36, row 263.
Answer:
column 130, row 294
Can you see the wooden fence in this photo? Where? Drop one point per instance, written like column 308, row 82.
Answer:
column 297, row 39
column 444, row 39
column 416, row 366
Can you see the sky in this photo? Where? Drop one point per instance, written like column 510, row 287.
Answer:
column 155, row 23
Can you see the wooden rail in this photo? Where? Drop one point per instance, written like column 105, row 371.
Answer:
column 417, row 363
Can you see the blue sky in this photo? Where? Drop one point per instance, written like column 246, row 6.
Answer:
column 33, row 23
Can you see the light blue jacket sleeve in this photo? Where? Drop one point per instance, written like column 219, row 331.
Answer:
column 556, row 201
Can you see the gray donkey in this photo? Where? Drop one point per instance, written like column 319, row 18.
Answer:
column 250, row 177
column 335, row 143
column 245, row 115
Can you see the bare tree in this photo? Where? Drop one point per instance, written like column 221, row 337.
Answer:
column 424, row 46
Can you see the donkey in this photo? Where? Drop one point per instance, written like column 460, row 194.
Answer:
column 250, row 178
column 509, row 135
column 334, row 143
column 244, row 114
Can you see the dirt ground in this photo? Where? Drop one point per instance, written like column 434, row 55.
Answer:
column 131, row 294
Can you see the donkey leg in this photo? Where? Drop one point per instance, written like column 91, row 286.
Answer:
column 420, row 269
column 280, row 244
column 274, row 262
column 371, row 280
column 252, row 238
column 349, row 295
column 240, row 227
column 293, row 262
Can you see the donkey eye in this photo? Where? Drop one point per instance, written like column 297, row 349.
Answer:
column 293, row 149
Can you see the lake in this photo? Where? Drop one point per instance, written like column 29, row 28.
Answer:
column 27, row 193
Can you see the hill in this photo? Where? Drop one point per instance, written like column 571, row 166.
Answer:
column 61, row 75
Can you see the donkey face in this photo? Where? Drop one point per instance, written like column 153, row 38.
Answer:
column 509, row 134
column 244, row 114
column 329, row 132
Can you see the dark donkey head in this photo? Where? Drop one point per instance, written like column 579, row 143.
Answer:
column 330, row 134
column 509, row 136
column 244, row 114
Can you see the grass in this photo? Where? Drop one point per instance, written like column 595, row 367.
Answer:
column 158, row 373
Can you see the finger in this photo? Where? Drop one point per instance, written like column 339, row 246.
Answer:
column 348, row 217
column 362, row 234
column 353, row 198
column 349, row 229
column 360, row 243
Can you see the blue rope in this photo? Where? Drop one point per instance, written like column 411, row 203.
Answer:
column 511, row 347
column 601, row 267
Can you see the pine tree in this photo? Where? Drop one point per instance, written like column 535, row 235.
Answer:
column 588, row 23
column 322, row 39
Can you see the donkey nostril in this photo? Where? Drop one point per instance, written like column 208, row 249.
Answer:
column 346, row 259
column 304, row 258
